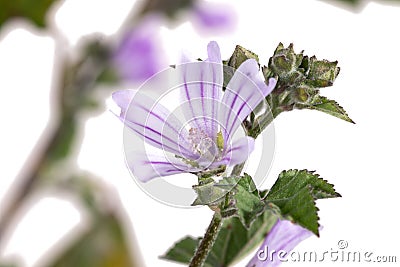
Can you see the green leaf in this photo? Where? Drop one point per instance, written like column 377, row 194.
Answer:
column 233, row 242
column 183, row 250
column 328, row 106
column 301, row 209
column 210, row 194
column 103, row 245
column 291, row 181
column 248, row 184
column 246, row 200
column 171, row 8
column 295, row 193
column 248, row 205
column 34, row 11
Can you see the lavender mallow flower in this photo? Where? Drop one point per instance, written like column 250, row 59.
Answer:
column 139, row 55
column 204, row 140
column 211, row 17
column 283, row 238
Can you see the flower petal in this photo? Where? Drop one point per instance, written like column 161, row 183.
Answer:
column 122, row 98
column 239, row 151
column 244, row 92
column 147, row 166
column 156, row 125
column 284, row 236
column 201, row 90
column 138, row 56
column 214, row 17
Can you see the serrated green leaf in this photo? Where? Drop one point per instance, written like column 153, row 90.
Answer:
column 328, row 106
column 295, row 192
column 301, row 209
column 233, row 242
column 291, row 181
column 34, row 11
column 183, row 250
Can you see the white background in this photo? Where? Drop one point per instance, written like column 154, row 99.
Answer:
column 361, row 160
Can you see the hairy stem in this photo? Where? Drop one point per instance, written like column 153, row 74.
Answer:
column 207, row 242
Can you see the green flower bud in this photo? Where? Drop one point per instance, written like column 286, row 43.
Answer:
column 321, row 73
column 240, row 55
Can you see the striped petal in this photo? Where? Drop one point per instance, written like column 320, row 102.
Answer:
column 244, row 92
column 238, row 152
column 122, row 98
column 284, row 236
column 154, row 124
column 201, row 90
column 146, row 167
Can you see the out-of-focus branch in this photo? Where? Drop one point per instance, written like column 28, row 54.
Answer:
column 72, row 92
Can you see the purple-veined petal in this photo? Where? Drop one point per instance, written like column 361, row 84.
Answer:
column 148, row 166
column 122, row 98
column 201, row 90
column 244, row 92
column 214, row 17
column 139, row 55
column 284, row 236
column 238, row 152
column 156, row 125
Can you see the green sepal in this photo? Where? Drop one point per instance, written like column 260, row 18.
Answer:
column 243, row 198
column 321, row 73
column 208, row 193
column 240, row 55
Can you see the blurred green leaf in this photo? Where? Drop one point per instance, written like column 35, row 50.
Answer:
column 103, row 245
column 169, row 7
column 34, row 11
column 358, row 5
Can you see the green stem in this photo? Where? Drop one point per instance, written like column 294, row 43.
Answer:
column 207, row 242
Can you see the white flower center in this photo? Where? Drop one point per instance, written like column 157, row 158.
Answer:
column 200, row 141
